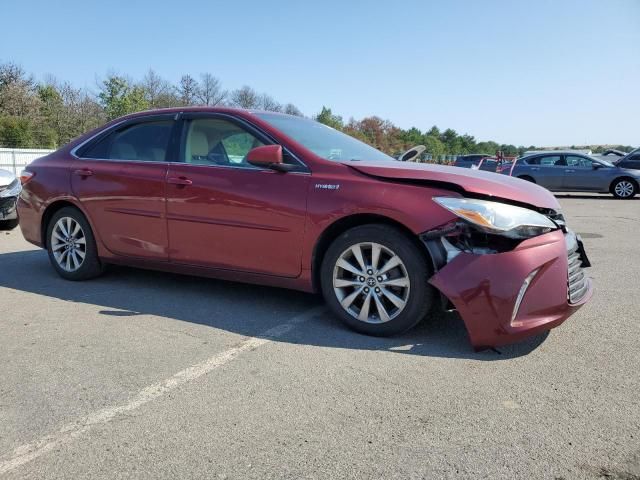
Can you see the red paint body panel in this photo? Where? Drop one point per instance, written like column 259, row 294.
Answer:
column 262, row 226
column 125, row 202
column 473, row 181
column 237, row 218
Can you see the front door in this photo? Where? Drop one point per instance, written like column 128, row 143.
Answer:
column 120, row 182
column 580, row 174
column 223, row 212
column 548, row 171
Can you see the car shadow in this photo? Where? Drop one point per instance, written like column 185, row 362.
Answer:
column 239, row 308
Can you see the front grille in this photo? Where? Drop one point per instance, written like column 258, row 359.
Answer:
column 577, row 282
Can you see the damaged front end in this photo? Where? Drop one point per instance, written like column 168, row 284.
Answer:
column 509, row 271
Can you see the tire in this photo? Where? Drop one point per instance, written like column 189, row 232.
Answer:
column 624, row 188
column 6, row 225
column 71, row 265
column 383, row 316
column 527, row 178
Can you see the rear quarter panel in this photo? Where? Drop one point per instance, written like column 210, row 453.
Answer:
column 50, row 183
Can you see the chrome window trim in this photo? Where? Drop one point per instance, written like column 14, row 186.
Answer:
column 153, row 162
column 109, row 130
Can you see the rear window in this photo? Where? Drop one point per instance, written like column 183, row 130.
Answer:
column 146, row 141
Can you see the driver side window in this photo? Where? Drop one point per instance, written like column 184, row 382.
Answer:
column 213, row 141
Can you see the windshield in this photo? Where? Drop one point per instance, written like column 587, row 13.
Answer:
column 322, row 140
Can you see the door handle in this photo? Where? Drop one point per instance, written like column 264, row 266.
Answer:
column 83, row 172
column 535, row 169
column 570, row 171
column 183, row 181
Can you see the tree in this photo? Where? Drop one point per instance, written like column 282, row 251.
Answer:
column 327, row 117
column 158, row 92
column 17, row 92
column 434, row 145
column 291, row 109
column 245, row 97
column 210, row 92
column 15, row 132
column 119, row 98
column 434, row 132
column 188, row 90
column 269, row 104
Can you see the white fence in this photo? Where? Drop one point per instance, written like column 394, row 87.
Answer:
column 15, row 159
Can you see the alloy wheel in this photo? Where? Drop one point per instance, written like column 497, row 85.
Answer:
column 624, row 188
column 371, row 282
column 68, row 244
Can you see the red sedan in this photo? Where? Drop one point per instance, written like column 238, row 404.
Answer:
column 280, row 200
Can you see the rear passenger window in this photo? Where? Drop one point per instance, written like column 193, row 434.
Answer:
column 145, row 142
column 547, row 161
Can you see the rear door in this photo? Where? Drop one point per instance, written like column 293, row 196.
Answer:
column 547, row 170
column 225, row 213
column 120, row 181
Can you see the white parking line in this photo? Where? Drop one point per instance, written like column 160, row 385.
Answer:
column 28, row 452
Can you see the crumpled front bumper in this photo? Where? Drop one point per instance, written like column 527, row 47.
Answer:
column 485, row 290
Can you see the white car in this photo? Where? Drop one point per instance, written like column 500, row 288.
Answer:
column 9, row 190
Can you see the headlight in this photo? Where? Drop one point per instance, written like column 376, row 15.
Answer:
column 13, row 190
column 498, row 218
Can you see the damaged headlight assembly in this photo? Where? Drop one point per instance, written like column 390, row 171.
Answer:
column 483, row 227
column 498, row 218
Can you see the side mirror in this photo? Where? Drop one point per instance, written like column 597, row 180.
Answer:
column 597, row 166
column 269, row 156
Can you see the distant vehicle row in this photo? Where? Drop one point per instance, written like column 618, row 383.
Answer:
column 568, row 171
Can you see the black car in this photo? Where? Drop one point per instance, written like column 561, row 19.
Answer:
column 467, row 161
column 9, row 190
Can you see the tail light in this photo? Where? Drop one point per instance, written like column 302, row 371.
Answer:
column 26, row 176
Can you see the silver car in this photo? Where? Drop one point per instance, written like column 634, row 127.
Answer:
column 9, row 190
column 574, row 172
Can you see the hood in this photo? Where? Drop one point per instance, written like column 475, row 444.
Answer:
column 476, row 182
column 6, row 178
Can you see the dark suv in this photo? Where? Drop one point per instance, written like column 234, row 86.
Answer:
column 631, row 160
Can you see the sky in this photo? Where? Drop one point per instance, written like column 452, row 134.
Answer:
column 537, row 72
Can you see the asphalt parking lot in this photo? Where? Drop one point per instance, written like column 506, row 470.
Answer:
column 151, row 375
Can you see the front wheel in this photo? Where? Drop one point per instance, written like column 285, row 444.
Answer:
column 71, row 246
column 375, row 280
column 624, row 188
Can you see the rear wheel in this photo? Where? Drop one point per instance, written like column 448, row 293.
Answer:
column 71, row 246
column 375, row 280
column 624, row 188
